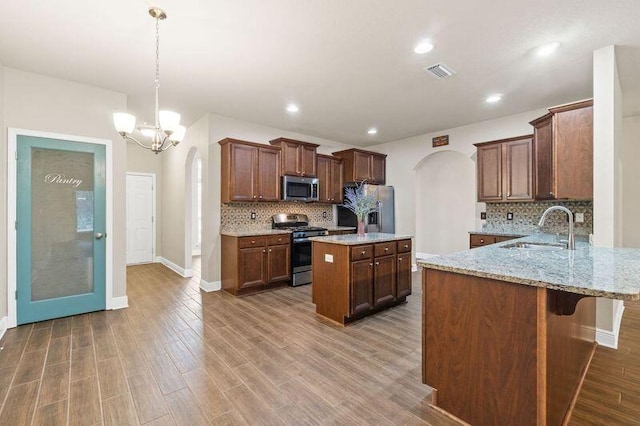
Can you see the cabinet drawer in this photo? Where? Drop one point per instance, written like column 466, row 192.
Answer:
column 383, row 249
column 361, row 252
column 246, row 242
column 502, row 239
column 481, row 240
column 404, row 246
column 274, row 240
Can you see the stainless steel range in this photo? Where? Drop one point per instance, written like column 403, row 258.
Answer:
column 301, row 246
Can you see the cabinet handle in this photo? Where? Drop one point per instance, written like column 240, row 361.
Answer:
column 399, row 259
column 371, row 264
column 377, row 263
column 386, row 249
column 364, row 252
column 406, row 246
column 551, row 193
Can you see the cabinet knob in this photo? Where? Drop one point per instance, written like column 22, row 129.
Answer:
column 253, row 241
column 406, row 246
column 269, row 250
column 364, row 252
column 482, row 241
column 399, row 259
column 371, row 264
column 264, row 251
column 386, row 249
column 377, row 263
column 260, row 196
column 255, row 196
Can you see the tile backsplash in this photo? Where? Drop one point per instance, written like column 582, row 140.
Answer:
column 234, row 216
column 527, row 215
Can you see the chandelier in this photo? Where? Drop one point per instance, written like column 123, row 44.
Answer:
column 167, row 131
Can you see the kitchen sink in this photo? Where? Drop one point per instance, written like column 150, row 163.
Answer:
column 524, row 245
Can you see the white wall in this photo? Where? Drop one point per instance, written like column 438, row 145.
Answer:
column 3, row 206
column 35, row 102
column 607, row 184
column 630, row 181
column 405, row 155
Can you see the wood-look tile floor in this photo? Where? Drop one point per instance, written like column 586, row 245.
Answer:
column 179, row 356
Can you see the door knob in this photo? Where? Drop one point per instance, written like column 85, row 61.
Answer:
column 99, row 235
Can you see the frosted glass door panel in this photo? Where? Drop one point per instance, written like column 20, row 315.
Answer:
column 62, row 223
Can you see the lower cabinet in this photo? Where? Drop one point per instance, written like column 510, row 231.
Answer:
column 481, row 240
column 255, row 263
column 352, row 281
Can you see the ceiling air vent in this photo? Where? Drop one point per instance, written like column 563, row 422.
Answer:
column 440, row 71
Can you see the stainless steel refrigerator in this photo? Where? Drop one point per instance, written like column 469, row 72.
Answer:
column 381, row 220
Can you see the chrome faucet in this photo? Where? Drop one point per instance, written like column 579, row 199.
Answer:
column 571, row 242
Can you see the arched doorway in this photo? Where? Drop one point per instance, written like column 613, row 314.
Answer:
column 445, row 203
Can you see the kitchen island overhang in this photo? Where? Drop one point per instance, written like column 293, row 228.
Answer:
column 508, row 334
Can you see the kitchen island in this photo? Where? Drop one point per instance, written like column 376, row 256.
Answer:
column 355, row 276
column 509, row 329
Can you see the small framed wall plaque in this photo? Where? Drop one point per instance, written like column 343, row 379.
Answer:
column 440, row 140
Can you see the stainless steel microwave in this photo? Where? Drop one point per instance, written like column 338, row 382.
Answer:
column 296, row 188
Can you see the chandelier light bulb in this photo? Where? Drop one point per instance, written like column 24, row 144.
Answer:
column 169, row 121
column 178, row 134
column 124, row 123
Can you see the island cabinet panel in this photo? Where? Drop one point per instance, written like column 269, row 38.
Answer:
column 255, row 263
column 504, row 353
column 298, row 158
column 384, row 282
column 361, row 288
column 481, row 240
column 563, row 152
column 351, row 281
column 250, row 171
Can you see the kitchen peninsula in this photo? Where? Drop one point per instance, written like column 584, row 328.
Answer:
column 355, row 276
column 509, row 329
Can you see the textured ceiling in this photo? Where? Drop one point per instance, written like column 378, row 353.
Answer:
column 348, row 64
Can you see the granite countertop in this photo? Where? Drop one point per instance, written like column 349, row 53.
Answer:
column 354, row 239
column 252, row 232
column 594, row 271
column 501, row 233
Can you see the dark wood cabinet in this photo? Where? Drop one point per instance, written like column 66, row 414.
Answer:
column 360, row 279
column 298, row 158
column 360, row 165
column 481, row 240
column 361, row 288
column 505, row 170
column 330, row 175
column 250, row 171
column 255, row 263
column 563, row 152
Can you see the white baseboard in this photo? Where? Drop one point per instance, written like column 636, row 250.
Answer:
column 187, row 273
column 209, row 287
column 425, row 255
column 609, row 338
column 3, row 326
column 118, row 303
column 157, row 259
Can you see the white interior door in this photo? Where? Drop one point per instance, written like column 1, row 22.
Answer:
column 140, row 218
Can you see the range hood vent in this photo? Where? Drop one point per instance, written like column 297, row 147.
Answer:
column 440, row 71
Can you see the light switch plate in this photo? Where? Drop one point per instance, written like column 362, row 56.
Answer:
column 328, row 258
column 510, row 216
column 579, row 217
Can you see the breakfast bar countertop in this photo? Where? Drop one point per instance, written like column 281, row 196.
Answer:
column 355, row 239
column 613, row 273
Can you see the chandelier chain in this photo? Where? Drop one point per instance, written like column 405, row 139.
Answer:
column 157, row 52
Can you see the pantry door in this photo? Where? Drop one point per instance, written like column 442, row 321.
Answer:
column 60, row 228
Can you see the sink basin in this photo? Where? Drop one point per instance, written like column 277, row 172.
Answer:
column 523, row 245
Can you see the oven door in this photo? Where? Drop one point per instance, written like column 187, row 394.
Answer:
column 301, row 255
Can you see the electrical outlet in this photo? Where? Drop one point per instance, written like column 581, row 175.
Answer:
column 328, row 258
column 579, row 217
column 483, row 215
column 509, row 216
column 324, row 215
column 253, row 215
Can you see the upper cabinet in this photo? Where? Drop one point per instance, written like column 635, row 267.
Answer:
column 250, row 171
column 298, row 158
column 563, row 152
column 505, row 170
column 362, row 165
column 330, row 173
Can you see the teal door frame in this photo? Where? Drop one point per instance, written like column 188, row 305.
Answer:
column 12, row 270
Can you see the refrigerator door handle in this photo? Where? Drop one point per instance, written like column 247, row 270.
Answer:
column 379, row 224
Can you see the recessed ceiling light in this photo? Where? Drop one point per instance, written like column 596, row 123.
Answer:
column 423, row 47
column 292, row 108
column 548, row 49
column 372, row 131
column 493, row 99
